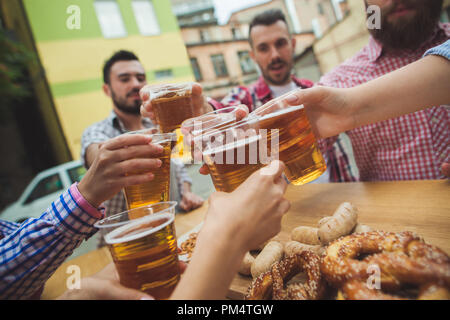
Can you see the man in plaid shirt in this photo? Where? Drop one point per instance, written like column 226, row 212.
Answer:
column 123, row 77
column 412, row 146
column 31, row 252
column 273, row 50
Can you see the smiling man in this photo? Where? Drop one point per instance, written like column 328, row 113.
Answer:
column 272, row 48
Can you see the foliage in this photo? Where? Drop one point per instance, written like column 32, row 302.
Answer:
column 14, row 84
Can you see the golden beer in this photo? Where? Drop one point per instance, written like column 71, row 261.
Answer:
column 158, row 189
column 171, row 109
column 297, row 144
column 232, row 163
column 172, row 104
column 144, row 250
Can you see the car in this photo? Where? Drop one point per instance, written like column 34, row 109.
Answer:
column 45, row 188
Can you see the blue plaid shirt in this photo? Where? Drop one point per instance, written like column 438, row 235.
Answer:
column 31, row 252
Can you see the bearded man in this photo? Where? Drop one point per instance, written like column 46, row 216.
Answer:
column 123, row 77
column 410, row 147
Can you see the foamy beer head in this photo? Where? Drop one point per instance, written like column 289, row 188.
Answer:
column 143, row 246
column 171, row 103
column 233, row 153
column 297, row 144
column 158, row 189
column 193, row 129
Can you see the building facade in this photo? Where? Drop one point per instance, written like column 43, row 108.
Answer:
column 219, row 54
column 72, row 40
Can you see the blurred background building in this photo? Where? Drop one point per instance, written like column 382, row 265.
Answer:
column 219, row 54
column 66, row 75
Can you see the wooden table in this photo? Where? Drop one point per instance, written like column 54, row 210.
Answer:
column 419, row 206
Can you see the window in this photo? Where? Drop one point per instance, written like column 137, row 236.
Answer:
column 320, row 9
column 196, row 69
column 220, row 68
column 46, row 186
column 76, row 174
column 236, row 33
column 246, row 62
column 204, row 36
column 110, row 18
column 145, row 17
column 316, row 28
column 163, row 74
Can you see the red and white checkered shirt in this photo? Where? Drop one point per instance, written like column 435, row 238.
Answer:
column 409, row 147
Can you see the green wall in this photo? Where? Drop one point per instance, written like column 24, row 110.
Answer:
column 48, row 18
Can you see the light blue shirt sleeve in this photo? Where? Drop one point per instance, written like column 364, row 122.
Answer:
column 441, row 50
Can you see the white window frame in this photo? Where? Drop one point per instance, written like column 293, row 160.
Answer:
column 111, row 23
column 146, row 18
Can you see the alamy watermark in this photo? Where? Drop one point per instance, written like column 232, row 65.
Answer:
column 74, row 280
column 373, row 17
column 73, row 21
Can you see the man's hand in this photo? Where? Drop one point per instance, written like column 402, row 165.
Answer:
column 104, row 285
column 201, row 106
column 122, row 161
column 190, row 201
column 329, row 110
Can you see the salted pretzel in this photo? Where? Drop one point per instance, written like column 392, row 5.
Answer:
column 271, row 284
column 402, row 259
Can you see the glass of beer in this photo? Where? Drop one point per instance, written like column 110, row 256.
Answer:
column 192, row 129
column 172, row 104
column 232, row 153
column 158, row 189
column 143, row 245
column 297, row 143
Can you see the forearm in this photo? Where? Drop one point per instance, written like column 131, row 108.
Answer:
column 31, row 254
column 214, row 264
column 419, row 85
column 186, row 187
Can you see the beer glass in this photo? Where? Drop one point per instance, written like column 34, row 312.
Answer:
column 232, row 153
column 172, row 104
column 192, row 129
column 158, row 189
column 297, row 143
column 143, row 245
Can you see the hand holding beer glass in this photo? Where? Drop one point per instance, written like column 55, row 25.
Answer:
column 297, row 143
column 143, row 245
column 233, row 152
column 193, row 128
column 171, row 104
column 158, row 189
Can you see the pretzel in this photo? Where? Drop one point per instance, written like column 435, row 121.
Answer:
column 188, row 246
column 402, row 258
column 271, row 284
column 340, row 264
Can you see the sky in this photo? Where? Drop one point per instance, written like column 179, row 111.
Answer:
column 224, row 8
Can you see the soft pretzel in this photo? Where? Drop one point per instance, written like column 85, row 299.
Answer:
column 340, row 261
column 271, row 284
column 402, row 258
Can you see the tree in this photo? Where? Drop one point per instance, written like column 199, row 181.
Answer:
column 14, row 85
